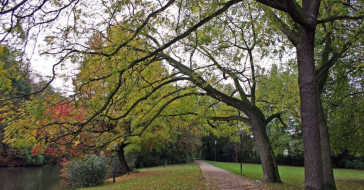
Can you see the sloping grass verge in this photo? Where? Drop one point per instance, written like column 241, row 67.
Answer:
column 293, row 177
column 180, row 176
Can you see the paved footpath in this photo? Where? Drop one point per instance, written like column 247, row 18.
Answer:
column 218, row 179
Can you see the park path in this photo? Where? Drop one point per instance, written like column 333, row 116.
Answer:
column 218, row 179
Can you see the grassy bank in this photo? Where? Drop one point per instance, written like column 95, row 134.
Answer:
column 183, row 176
column 293, row 177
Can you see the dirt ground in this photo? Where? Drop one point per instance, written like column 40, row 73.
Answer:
column 218, row 179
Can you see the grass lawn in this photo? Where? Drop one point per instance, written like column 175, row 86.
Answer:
column 180, row 176
column 293, row 177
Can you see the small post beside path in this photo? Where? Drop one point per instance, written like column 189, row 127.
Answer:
column 116, row 146
column 241, row 151
column 215, row 150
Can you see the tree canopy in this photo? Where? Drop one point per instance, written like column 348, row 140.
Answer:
column 129, row 54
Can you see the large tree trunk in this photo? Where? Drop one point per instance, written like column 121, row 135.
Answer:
column 269, row 165
column 124, row 165
column 309, row 113
column 328, row 174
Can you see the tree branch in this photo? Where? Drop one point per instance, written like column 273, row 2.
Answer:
column 163, row 107
column 145, row 97
column 14, row 8
column 296, row 13
column 270, row 118
column 276, row 4
column 324, row 68
column 211, row 91
column 291, row 35
column 180, row 114
column 231, row 74
column 231, row 118
column 344, row 17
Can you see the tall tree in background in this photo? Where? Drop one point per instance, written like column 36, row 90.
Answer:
column 281, row 84
column 14, row 81
column 343, row 105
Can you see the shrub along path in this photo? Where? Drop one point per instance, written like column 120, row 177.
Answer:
column 221, row 179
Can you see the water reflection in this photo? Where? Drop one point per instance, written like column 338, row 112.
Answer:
column 31, row 178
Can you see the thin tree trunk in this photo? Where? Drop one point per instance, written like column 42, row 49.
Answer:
column 232, row 154
column 309, row 113
column 269, row 165
column 328, row 174
column 124, row 165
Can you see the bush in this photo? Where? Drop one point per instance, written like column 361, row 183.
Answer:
column 33, row 159
column 86, row 173
column 346, row 160
column 293, row 160
column 354, row 164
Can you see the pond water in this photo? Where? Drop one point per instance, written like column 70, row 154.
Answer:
column 31, row 178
